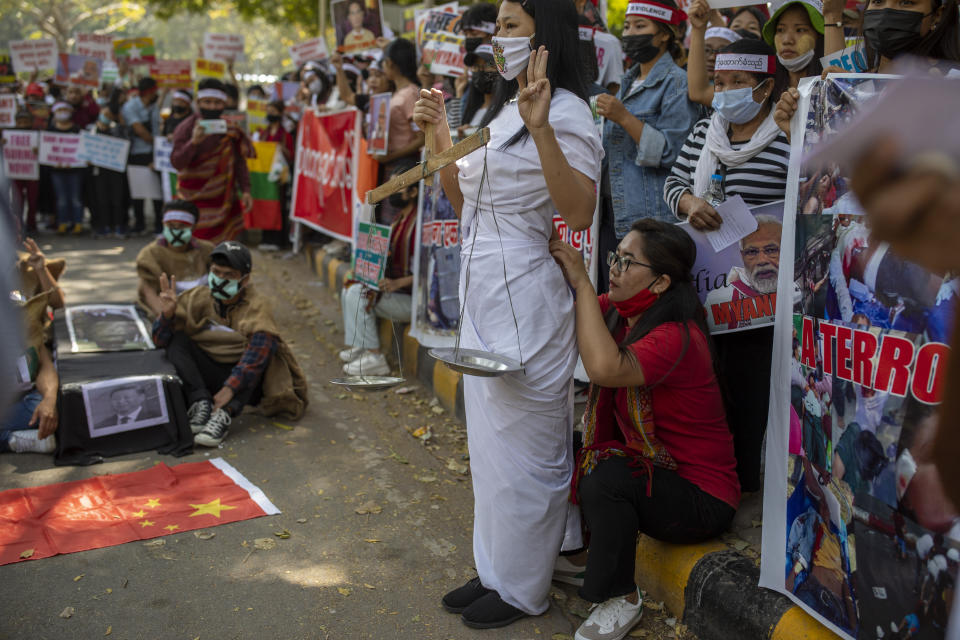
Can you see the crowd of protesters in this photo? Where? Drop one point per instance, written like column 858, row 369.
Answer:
column 675, row 417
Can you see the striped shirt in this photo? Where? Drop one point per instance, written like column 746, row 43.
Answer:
column 759, row 180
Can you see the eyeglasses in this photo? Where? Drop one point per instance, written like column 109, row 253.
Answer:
column 621, row 263
column 770, row 251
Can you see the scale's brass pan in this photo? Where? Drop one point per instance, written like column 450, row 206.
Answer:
column 476, row 363
column 367, row 383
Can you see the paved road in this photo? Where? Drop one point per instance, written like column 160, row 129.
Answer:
column 340, row 574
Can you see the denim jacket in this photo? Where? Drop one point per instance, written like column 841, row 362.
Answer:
column 638, row 171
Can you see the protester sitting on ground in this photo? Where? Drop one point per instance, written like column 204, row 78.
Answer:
column 741, row 146
column 657, row 454
column 213, row 167
column 362, row 306
column 705, row 43
column 67, row 182
column 176, row 253
column 226, row 347
column 39, row 275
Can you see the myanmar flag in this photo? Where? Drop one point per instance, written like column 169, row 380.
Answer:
column 103, row 511
column 266, row 213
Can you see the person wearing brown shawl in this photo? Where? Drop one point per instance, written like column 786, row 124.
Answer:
column 177, row 253
column 226, row 347
column 212, row 168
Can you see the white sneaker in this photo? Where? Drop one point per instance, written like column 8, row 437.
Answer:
column 567, row 572
column 611, row 620
column 369, row 364
column 26, row 441
column 350, row 354
column 214, row 431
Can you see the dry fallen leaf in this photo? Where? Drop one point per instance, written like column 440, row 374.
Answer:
column 264, row 544
column 68, row 612
column 204, row 535
column 27, row 554
column 561, row 636
column 283, row 535
column 655, row 606
column 285, row 427
column 109, row 630
column 79, row 577
column 344, row 591
column 639, row 633
column 369, row 586
column 159, row 542
column 368, row 507
column 301, row 520
column 371, row 540
column 109, row 590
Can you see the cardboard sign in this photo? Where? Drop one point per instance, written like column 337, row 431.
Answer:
column 8, row 110
column 208, row 69
column 162, row 148
column 313, row 49
column 93, row 45
column 442, row 48
column 370, row 256
column 136, row 51
column 172, row 74
column 20, row 150
column 7, row 75
column 256, row 115
column 144, row 183
column 60, row 150
column 378, row 124
column 104, row 151
column 283, row 90
column 33, row 55
column 227, row 47
column 852, row 59
column 109, row 72
column 78, row 70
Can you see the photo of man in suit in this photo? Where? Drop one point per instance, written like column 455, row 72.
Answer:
column 129, row 405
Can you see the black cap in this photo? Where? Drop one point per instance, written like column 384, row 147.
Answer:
column 235, row 254
column 482, row 52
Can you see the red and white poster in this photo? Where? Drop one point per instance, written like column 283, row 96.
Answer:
column 20, row 154
column 172, row 74
column 8, row 110
column 227, row 47
column 323, row 185
column 92, row 45
column 312, row 49
column 33, row 55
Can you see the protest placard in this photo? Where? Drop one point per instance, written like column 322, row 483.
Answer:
column 312, row 49
column 370, row 254
column 136, row 51
column 358, row 24
column 93, row 45
column 442, row 48
column 8, row 110
column 144, row 183
column 109, row 72
column 208, row 69
column 80, row 70
column 226, row 47
column 283, row 90
column 33, row 55
column 852, row 59
column 60, row 149
column 162, row 148
column 20, row 150
column 7, row 74
column 171, row 74
column 378, row 124
column 256, row 115
column 104, row 151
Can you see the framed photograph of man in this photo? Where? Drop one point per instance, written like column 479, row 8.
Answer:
column 124, row 404
column 358, row 24
column 378, row 124
column 107, row 327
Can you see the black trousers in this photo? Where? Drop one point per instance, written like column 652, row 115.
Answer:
column 744, row 360
column 616, row 507
column 108, row 208
column 140, row 223
column 202, row 376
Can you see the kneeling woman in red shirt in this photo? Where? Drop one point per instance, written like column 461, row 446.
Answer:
column 658, row 455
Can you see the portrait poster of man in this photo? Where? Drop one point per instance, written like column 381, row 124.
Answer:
column 378, row 124
column 106, row 327
column 738, row 285
column 124, row 404
column 358, row 24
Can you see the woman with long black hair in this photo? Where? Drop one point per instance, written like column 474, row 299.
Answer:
column 543, row 157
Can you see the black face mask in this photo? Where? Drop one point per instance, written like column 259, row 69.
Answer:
column 640, row 48
column 273, row 117
column 483, row 81
column 891, row 32
column 180, row 111
column 471, row 44
column 398, row 200
column 211, row 114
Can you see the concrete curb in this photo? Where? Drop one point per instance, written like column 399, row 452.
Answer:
column 708, row 587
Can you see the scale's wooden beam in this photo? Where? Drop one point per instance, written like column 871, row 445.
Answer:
column 431, row 166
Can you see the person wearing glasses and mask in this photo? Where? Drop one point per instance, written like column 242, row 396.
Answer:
column 657, row 454
column 741, row 146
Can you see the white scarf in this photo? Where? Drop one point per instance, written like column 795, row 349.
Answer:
column 717, row 149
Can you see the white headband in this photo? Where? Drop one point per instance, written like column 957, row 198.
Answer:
column 180, row 95
column 722, row 32
column 486, row 27
column 178, row 215
column 212, row 93
column 752, row 62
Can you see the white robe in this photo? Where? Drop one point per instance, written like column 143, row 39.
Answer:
column 520, row 426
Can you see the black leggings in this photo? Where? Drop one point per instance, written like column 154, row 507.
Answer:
column 202, row 376
column 616, row 507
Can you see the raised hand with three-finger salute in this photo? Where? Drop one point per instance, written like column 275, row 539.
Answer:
column 533, row 101
column 168, row 296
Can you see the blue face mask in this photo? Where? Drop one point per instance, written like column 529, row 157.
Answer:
column 222, row 288
column 737, row 105
column 105, row 120
column 177, row 237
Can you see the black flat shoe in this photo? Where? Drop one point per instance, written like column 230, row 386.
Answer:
column 460, row 598
column 490, row 612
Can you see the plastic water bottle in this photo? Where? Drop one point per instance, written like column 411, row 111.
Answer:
column 714, row 193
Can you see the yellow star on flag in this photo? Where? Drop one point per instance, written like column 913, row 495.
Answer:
column 146, row 523
column 213, row 508
column 153, row 503
column 172, row 527
column 140, row 514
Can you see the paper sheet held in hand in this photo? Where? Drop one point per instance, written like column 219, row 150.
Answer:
column 738, row 223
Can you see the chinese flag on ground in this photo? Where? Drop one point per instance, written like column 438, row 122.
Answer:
column 266, row 212
column 40, row 522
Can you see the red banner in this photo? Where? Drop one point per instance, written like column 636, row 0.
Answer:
column 323, row 185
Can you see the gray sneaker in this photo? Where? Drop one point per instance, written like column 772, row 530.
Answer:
column 27, row 441
column 611, row 620
column 214, row 431
column 199, row 414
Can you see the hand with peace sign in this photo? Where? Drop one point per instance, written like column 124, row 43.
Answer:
column 533, row 101
column 36, row 259
column 168, row 296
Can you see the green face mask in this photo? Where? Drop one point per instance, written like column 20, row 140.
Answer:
column 222, row 288
column 177, row 237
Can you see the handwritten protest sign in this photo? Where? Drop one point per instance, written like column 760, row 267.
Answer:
column 8, row 110
column 20, row 155
column 77, row 69
column 171, row 74
column 33, row 55
column 104, row 151
column 370, row 256
column 442, row 48
column 92, row 45
column 312, row 49
column 60, row 149
column 135, row 50
column 227, row 47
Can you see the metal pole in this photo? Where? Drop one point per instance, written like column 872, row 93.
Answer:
column 323, row 18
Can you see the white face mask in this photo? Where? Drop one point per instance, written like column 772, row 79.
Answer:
column 511, row 55
column 796, row 64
